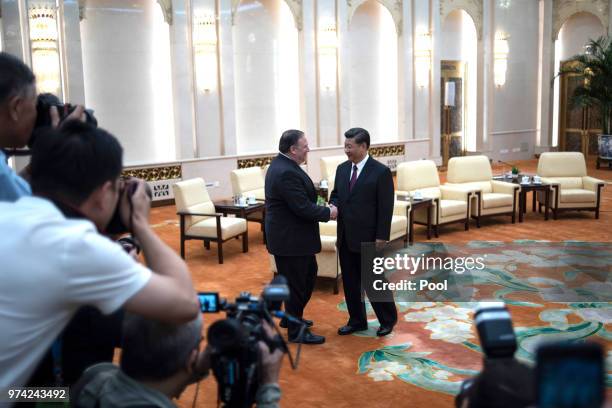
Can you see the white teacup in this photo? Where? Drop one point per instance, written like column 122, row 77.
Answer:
column 537, row 179
column 242, row 201
column 525, row 180
column 417, row 195
column 252, row 200
column 323, row 184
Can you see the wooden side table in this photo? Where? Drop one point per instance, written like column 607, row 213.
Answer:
column 226, row 207
column 533, row 187
column 415, row 205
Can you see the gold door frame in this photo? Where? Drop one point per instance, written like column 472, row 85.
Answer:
column 586, row 129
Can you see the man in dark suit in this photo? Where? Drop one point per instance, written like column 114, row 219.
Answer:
column 292, row 227
column 364, row 194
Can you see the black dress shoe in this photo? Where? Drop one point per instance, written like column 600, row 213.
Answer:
column 384, row 330
column 345, row 330
column 308, row 338
column 283, row 323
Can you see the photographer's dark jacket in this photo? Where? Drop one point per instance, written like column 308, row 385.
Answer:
column 292, row 213
column 104, row 385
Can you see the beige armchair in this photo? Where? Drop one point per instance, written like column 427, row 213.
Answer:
column 572, row 189
column 399, row 221
column 198, row 219
column 248, row 182
column 329, row 165
column 327, row 260
column 451, row 203
column 491, row 197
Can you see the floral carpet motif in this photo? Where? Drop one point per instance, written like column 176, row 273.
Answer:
column 434, row 342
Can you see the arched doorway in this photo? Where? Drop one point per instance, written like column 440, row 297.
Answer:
column 574, row 128
column 458, row 84
column 373, row 71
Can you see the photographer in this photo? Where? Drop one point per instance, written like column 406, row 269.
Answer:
column 17, row 118
column 57, row 260
column 157, row 363
column 504, row 381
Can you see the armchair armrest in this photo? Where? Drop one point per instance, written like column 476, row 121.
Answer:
column 546, row 180
column 591, row 183
column 401, row 193
column 185, row 213
column 401, row 207
column 456, row 193
column 505, row 187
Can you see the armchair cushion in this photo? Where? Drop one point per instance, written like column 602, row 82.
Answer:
column 328, row 243
column 248, row 182
column 452, row 207
column 495, row 200
column 561, row 164
column 328, row 228
column 401, row 207
column 417, row 175
column 468, row 169
column 191, row 196
column 575, row 195
column 399, row 225
column 329, row 165
column 230, row 227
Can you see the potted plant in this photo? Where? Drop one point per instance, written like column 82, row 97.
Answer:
column 595, row 65
column 515, row 172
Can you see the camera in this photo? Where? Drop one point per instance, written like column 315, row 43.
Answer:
column 494, row 326
column 233, row 340
column 43, row 117
column 116, row 225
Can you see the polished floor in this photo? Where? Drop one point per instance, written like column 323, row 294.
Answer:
column 327, row 374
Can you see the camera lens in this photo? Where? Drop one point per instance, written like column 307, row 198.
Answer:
column 225, row 334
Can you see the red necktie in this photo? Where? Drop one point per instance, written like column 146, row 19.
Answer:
column 353, row 177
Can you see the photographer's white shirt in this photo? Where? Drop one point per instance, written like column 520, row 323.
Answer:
column 49, row 267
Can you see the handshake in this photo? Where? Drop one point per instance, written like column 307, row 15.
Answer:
column 333, row 212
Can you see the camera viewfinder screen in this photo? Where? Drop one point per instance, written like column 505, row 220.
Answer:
column 209, row 302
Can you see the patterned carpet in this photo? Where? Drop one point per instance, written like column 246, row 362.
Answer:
column 527, row 275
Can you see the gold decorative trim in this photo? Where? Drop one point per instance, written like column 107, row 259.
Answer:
column 255, row 162
column 155, row 173
column 386, row 151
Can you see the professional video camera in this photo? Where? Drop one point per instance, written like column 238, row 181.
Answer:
column 235, row 354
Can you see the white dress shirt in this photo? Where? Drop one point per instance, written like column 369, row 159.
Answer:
column 359, row 166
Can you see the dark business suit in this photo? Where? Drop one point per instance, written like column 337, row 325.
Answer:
column 364, row 215
column 292, row 230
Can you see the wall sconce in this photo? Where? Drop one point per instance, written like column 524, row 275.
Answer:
column 328, row 45
column 500, row 55
column 45, row 53
column 205, row 50
column 422, row 55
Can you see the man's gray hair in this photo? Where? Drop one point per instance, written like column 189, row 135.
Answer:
column 155, row 351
